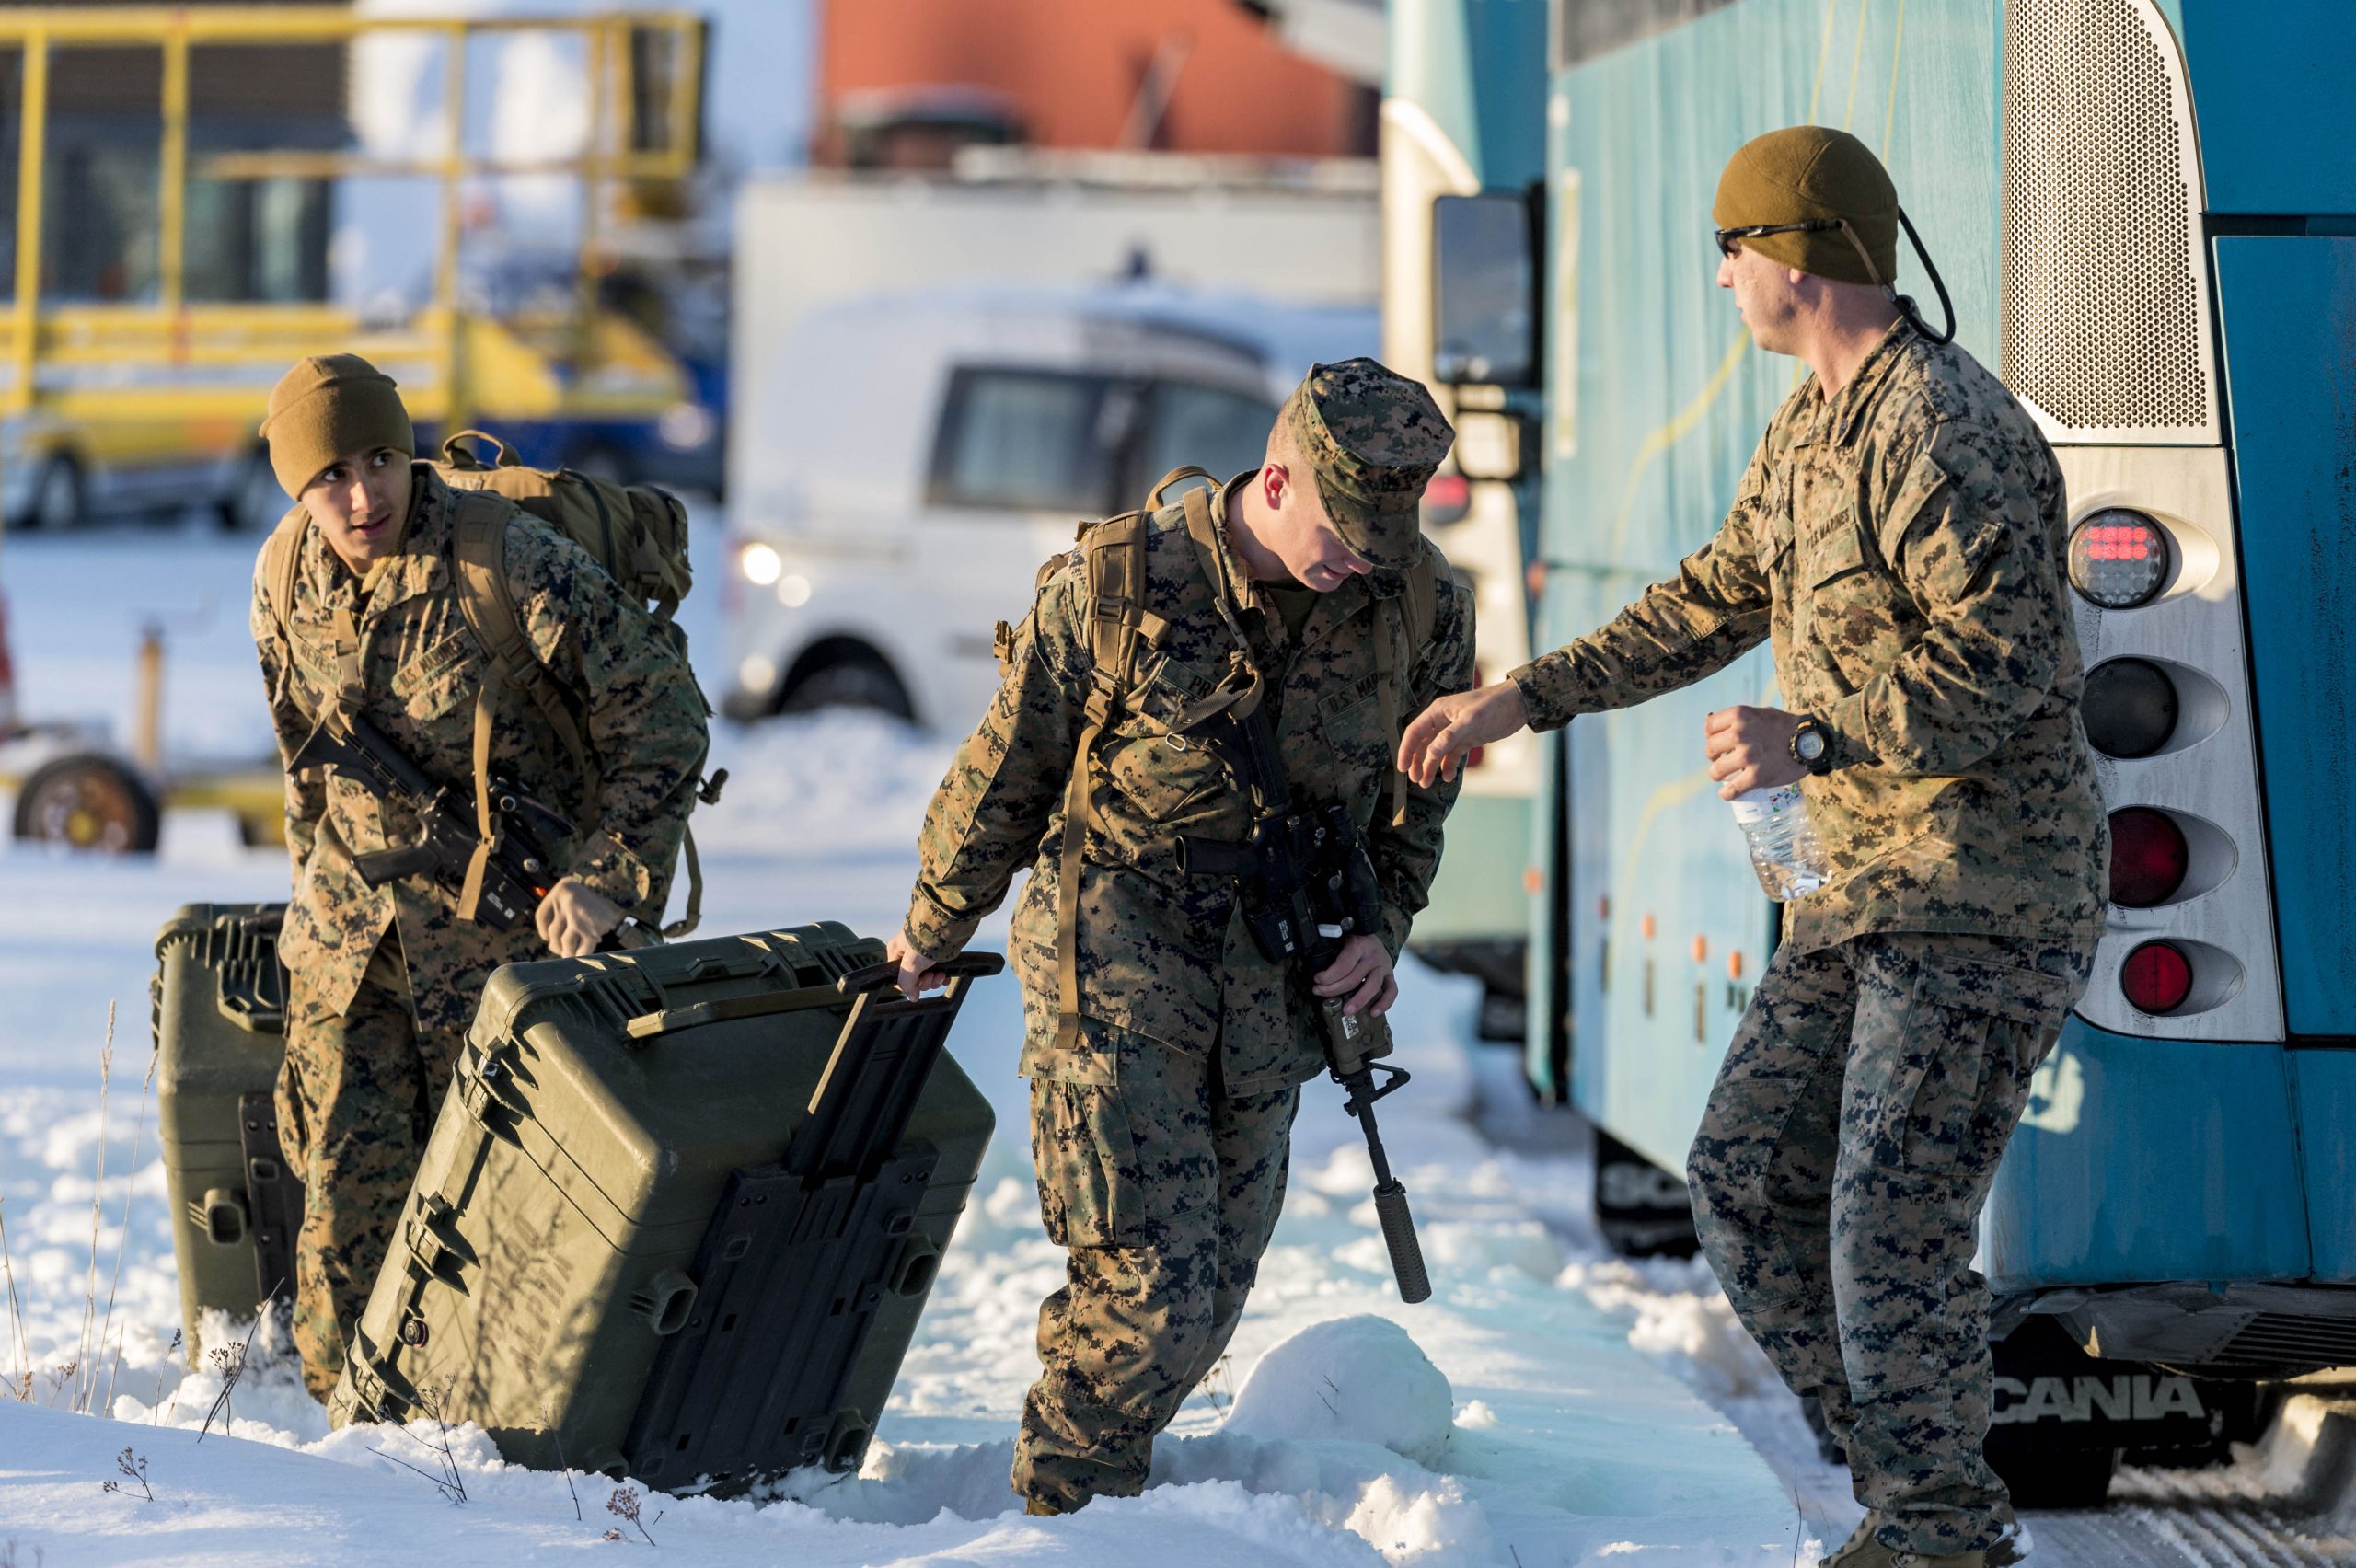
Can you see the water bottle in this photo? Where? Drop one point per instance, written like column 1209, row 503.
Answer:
column 1784, row 849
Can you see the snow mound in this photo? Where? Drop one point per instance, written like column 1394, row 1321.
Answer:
column 1358, row 1380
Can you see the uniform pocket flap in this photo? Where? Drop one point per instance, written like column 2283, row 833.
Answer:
column 1835, row 554
column 2000, row 990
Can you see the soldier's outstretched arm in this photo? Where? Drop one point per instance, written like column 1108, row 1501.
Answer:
column 643, row 715
column 307, row 796
column 1007, row 782
column 1406, row 851
column 1968, row 540
column 1715, row 610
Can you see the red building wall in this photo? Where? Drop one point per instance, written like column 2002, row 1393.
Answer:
column 1074, row 67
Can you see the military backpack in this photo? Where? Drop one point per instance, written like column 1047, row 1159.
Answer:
column 636, row 532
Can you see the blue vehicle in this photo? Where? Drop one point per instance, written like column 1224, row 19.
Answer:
column 2145, row 211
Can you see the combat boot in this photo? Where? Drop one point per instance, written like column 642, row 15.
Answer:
column 1862, row 1550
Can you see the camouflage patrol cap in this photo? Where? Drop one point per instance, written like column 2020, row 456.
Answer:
column 1372, row 437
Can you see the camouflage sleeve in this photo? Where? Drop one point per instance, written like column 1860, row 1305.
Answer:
column 1963, row 531
column 307, row 796
column 1713, row 612
column 644, row 714
column 1007, row 782
column 1406, row 851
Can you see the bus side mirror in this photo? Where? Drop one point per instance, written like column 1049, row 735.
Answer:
column 1485, row 290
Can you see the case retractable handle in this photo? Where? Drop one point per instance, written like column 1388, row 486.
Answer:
column 964, row 966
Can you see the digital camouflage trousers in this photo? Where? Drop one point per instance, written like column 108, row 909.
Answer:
column 356, row 1100
column 1838, row 1178
column 1164, row 1189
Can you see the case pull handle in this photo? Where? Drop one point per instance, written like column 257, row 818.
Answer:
column 964, row 966
column 221, row 1214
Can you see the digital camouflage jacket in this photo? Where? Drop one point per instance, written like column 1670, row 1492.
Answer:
column 418, row 667
column 1159, row 951
column 1901, row 544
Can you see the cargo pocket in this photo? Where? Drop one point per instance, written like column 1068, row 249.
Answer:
column 1945, row 1091
column 1085, row 1155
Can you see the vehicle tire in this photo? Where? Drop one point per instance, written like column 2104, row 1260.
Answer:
column 87, row 802
column 59, row 499
column 1642, row 1210
column 255, row 502
column 860, row 681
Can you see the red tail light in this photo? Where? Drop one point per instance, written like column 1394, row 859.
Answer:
column 2149, row 858
column 2157, row 977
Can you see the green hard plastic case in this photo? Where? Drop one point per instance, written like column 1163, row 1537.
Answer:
column 679, row 1213
column 219, row 1005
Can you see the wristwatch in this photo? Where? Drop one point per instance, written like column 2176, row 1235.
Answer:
column 1812, row 747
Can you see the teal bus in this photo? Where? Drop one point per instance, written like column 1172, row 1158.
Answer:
column 2145, row 212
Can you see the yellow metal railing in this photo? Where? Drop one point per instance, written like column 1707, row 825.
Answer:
column 172, row 332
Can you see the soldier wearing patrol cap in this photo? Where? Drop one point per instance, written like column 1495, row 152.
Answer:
column 1899, row 539
column 1165, row 1054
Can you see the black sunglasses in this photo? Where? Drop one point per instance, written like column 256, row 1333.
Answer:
column 1730, row 239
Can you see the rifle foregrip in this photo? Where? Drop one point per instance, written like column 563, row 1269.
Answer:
column 1399, row 1235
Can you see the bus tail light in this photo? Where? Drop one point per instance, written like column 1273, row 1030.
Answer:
column 2130, row 708
column 2157, row 977
column 2149, row 858
column 2119, row 559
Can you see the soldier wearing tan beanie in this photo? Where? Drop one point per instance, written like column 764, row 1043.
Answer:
column 328, row 406
column 1897, row 540
column 357, row 610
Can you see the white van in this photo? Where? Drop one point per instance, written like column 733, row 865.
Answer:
column 901, row 465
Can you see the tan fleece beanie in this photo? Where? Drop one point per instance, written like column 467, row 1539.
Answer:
column 1804, row 174
column 327, row 406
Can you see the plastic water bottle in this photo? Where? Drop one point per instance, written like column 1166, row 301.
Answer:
column 1784, row 849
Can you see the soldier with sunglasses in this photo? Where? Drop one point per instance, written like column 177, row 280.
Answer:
column 1897, row 538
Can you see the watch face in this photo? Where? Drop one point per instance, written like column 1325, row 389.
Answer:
column 1810, row 743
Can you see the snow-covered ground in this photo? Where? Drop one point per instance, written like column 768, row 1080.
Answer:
column 1550, row 1405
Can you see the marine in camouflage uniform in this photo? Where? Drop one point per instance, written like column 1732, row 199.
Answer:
column 385, row 980
column 1898, row 543
column 1164, row 1079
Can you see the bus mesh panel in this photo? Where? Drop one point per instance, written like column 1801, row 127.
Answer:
column 2101, row 327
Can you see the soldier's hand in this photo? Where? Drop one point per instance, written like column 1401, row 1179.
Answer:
column 1361, row 971
column 1750, row 748
column 1437, row 744
column 574, row 918
column 917, row 974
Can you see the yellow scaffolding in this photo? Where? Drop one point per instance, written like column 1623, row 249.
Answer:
column 464, row 351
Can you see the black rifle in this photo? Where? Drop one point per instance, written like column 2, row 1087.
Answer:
column 516, row 874
column 1307, row 883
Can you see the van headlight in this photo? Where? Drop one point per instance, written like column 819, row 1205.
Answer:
column 761, row 564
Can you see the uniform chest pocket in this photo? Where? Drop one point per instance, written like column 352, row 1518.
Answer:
column 1839, row 552
column 1352, row 722
column 312, row 652
column 444, row 679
